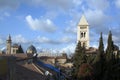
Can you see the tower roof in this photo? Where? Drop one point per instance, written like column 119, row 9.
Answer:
column 83, row 21
column 9, row 37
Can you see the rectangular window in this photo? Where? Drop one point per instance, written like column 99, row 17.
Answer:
column 81, row 34
column 83, row 27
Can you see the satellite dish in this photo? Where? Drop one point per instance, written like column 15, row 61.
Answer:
column 35, row 54
column 47, row 73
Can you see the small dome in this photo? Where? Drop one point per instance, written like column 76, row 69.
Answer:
column 31, row 49
column 116, row 47
column 15, row 45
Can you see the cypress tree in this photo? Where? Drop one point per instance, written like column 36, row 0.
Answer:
column 99, row 60
column 78, row 58
column 101, row 45
column 20, row 50
column 109, row 58
column 100, row 54
column 110, row 46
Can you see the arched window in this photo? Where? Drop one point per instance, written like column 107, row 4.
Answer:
column 84, row 34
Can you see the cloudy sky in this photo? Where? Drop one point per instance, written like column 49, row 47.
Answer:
column 51, row 24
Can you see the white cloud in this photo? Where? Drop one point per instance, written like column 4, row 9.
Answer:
column 96, row 17
column 98, row 5
column 63, row 40
column 43, row 39
column 116, row 38
column 51, row 14
column 1, row 41
column 67, row 39
column 6, row 14
column 46, row 40
column 72, row 27
column 40, row 24
column 19, row 39
column 71, row 30
column 69, row 48
column 117, row 3
column 77, row 2
column 54, row 4
column 3, row 49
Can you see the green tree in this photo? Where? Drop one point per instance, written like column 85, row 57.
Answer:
column 78, row 58
column 99, row 60
column 110, row 59
column 110, row 46
column 20, row 49
column 100, row 53
column 101, row 45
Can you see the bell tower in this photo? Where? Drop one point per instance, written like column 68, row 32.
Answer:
column 8, row 44
column 83, row 32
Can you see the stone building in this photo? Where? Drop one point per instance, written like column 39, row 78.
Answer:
column 83, row 32
column 54, row 59
column 14, row 48
column 11, row 49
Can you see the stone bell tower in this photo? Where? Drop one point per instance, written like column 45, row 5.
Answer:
column 83, row 32
column 8, row 45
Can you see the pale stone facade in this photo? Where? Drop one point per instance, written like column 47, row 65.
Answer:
column 8, row 43
column 14, row 48
column 61, row 60
column 67, row 65
column 83, row 32
column 51, row 60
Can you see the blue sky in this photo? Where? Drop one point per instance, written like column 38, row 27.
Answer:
column 52, row 24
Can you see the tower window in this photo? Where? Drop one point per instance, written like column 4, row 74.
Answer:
column 84, row 34
column 83, row 27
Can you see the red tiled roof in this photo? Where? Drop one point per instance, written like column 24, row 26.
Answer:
column 28, row 72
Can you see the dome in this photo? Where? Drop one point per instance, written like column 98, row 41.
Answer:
column 15, row 45
column 31, row 49
column 116, row 47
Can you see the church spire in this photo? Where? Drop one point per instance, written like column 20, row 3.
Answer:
column 8, row 45
column 83, row 21
column 9, row 37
